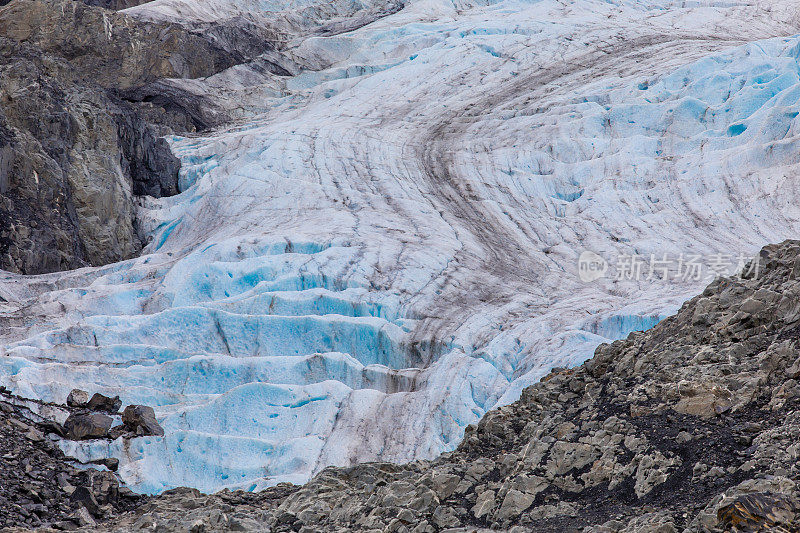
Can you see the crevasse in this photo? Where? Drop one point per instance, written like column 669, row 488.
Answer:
column 368, row 261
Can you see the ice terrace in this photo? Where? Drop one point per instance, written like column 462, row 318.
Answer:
column 390, row 250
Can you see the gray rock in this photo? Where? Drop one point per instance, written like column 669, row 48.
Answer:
column 141, row 420
column 445, row 485
column 100, row 402
column 69, row 173
column 84, row 518
column 444, row 517
column 484, row 505
column 112, row 463
column 78, row 398
column 87, row 426
column 514, row 504
column 84, row 497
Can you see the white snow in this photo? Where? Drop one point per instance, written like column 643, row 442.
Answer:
column 385, row 248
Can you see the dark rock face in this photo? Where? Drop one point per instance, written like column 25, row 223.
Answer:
column 691, row 426
column 759, row 511
column 107, row 49
column 146, row 158
column 189, row 112
column 38, row 223
column 115, row 5
column 79, row 137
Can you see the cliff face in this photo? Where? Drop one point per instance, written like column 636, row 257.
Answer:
column 691, row 426
column 109, row 49
column 76, row 143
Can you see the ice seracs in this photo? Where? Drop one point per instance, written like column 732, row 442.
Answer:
column 386, row 246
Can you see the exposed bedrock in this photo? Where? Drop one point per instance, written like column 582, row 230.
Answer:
column 75, row 157
column 86, row 95
column 110, row 49
column 81, row 136
column 115, row 5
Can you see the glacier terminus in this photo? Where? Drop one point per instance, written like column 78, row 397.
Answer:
column 384, row 242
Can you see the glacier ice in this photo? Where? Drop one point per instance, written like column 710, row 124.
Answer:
column 385, row 245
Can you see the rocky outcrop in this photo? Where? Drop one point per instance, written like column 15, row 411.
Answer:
column 42, row 488
column 691, row 426
column 79, row 137
column 110, row 49
column 115, row 5
column 67, row 200
column 38, row 224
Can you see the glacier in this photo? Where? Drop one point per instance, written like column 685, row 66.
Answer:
column 384, row 245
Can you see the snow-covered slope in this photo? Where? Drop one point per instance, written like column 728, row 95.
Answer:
column 386, row 244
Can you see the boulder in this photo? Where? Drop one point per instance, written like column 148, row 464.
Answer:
column 112, row 463
column 514, row 504
column 758, row 512
column 83, row 518
column 100, row 402
column 51, row 426
column 103, row 485
column 84, row 498
column 87, row 426
column 141, row 420
column 485, row 504
column 78, row 398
